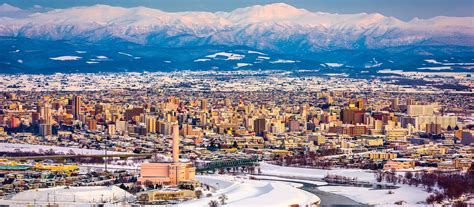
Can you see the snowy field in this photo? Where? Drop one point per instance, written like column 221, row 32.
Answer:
column 11, row 147
column 269, row 169
column 413, row 196
column 266, row 177
column 70, row 196
column 245, row 192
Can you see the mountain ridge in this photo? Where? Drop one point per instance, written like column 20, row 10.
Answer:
column 267, row 27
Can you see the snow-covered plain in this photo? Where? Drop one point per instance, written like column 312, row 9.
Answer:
column 227, row 55
column 269, row 169
column 12, row 147
column 413, row 196
column 78, row 195
column 245, row 192
column 66, row 58
column 282, row 61
column 334, row 65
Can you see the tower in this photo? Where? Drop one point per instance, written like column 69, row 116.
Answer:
column 175, row 143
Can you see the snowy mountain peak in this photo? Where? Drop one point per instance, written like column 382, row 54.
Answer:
column 278, row 27
column 261, row 13
column 6, row 8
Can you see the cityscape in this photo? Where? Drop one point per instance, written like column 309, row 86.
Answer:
column 188, row 119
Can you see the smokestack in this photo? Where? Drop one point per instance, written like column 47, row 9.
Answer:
column 175, row 143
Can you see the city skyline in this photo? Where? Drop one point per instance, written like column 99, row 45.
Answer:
column 259, row 103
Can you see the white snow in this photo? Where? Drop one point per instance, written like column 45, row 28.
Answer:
column 412, row 195
column 373, row 64
column 432, row 61
column 436, row 68
column 334, row 65
column 229, row 56
column 102, row 57
column 263, row 57
column 282, row 61
column 126, row 54
column 11, row 147
column 202, row 60
column 66, row 58
column 245, row 192
column 446, row 63
column 243, row 64
column 256, row 52
column 269, row 169
column 63, row 194
column 318, row 183
column 236, row 27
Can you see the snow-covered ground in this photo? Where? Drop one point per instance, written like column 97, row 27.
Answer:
column 229, row 56
column 269, row 169
column 202, row 60
column 266, row 177
column 66, row 58
column 12, row 147
column 245, row 192
column 135, row 167
column 411, row 195
column 282, row 61
column 334, row 65
column 69, row 196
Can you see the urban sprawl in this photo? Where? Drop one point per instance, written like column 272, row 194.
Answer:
column 232, row 138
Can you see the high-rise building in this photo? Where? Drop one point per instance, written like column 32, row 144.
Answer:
column 352, row 116
column 121, row 126
column 395, row 104
column 227, row 102
column 151, row 124
column 420, row 110
column 14, row 122
column 92, row 124
column 293, row 126
column 111, row 129
column 259, row 126
column 360, row 104
column 45, row 129
column 47, row 114
column 76, row 107
column 204, row 104
column 433, row 128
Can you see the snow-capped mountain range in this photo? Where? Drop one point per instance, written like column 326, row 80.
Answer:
column 276, row 27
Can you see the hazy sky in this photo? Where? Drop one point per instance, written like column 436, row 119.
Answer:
column 402, row 9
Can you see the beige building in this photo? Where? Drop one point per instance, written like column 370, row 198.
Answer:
column 169, row 173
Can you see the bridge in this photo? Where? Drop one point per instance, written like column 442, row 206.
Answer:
column 212, row 166
column 75, row 157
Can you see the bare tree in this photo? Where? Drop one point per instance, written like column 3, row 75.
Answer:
column 223, row 198
column 213, row 203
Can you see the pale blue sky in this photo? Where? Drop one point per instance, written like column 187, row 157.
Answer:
column 402, row 9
